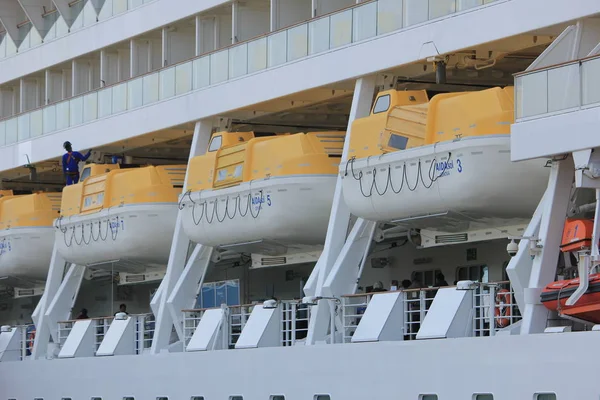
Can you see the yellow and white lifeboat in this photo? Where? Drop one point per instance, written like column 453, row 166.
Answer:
column 442, row 164
column 120, row 219
column 26, row 235
column 265, row 193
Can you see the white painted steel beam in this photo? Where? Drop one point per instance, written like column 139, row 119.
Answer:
column 34, row 9
column 177, row 257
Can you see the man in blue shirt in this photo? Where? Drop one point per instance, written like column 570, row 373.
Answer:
column 70, row 162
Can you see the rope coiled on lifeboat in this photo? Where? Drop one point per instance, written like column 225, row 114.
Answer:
column 81, row 239
column 389, row 184
column 210, row 216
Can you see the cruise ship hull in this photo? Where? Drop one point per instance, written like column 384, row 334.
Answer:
column 509, row 367
column 471, row 179
column 131, row 237
column 25, row 252
column 287, row 210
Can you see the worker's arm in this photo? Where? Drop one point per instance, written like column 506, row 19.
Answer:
column 84, row 158
column 64, row 166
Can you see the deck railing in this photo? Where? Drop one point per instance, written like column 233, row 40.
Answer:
column 557, row 89
column 318, row 35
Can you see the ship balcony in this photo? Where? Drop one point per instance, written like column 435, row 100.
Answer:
column 557, row 109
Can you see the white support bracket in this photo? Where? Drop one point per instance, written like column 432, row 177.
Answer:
column 543, row 269
column 61, row 305
column 177, row 257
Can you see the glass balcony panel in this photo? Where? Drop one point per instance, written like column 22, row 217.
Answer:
column 532, row 94
column 238, row 61
column 135, row 3
column 415, row 12
column 389, row 16
column 441, row 8
column 104, row 102
column 2, row 133
column 257, row 55
column 36, row 123
column 89, row 14
column 62, row 115
column 23, row 128
column 277, row 48
column 119, row 6
column 563, row 88
column 12, row 129
column 135, row 93
column 468, row 4
column 183, row 78
column 219, row 68
column 49, row 119
column 151, row 88
column 167, row 83
column 90, row 107
column 364, row 22
column 318, row 35
column 119, row 98
column 341, row 29
column 297, row 42
column 76, row 111
column 590, row 71
column 201, row 72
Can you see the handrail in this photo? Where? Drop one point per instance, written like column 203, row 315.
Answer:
column 558, row 65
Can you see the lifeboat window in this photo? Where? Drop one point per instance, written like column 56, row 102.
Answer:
column 545, row 396
column 86, row 173
column 322, row 397
column 428, row 397
column 397, row 142
column 238, row 171
column 162, row 398
column 382, row 104
column 215, row 143
column 221, row 175
column 128, row 398
column 96, row 398
column 277, row 397
column 486, row 396
column 236, row 397
column 197, row 398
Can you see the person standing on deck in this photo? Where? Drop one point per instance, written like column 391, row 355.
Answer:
column 70, row 162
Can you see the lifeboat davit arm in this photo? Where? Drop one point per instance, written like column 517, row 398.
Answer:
column 586, row 262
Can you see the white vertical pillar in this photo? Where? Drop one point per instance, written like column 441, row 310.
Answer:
column 48, row 86
column 543, row 269
column 74, row 80
column 150, row 54
column 338, row 220
column 274, row 15
column 133, row 65
column 314, row 6
column 64, row 84
column 235, row 11
column 198, row 42
column 178, row 254
column 103, row 68
column 22, row 93
column 217, row 33
column 165, row 47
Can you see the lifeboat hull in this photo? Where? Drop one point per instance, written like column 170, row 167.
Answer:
column 287, row 210
column 25, row 252
column 129, row 238
column 451, row 186
column 555, row 295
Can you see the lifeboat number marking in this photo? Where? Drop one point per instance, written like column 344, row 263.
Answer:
column 444, row 167
column 117, row 225
column 257, row 200
column 5, row 247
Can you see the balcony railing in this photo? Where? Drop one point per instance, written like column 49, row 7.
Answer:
column 558, row 89
column 318, row 35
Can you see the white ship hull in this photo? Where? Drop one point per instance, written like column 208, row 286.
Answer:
column 456, row 183
column 509, row 367
column 25, row 253
column 293, row 210
column 130, row 237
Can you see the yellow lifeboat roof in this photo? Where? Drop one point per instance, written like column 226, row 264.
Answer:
column 106, row 186
column 236, row 157
column 31, row 210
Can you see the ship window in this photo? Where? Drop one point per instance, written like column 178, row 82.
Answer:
column 545, row 396
column 162, row 398
column 128, row 398
column 477, row 273
column 427, row 278
column 428, row 397
column 236, row 397
column 486, row 396
column 86, row 173
column 96, row 398
column 277, row 397
column 197, row 398
column 322, row 397
column 382, row 104
column 66, row 398
column 215, row 143
column 397, row 142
